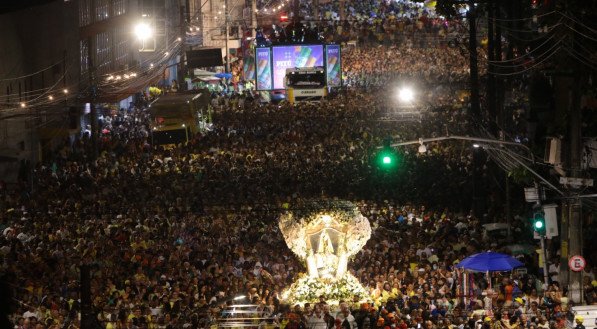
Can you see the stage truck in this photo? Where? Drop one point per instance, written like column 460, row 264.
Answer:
column 176, row 117
column 305, row 84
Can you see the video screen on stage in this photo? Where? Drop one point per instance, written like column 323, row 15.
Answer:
column 264, row 74
column 333, row 65
column 270, row 64
column 295, row 56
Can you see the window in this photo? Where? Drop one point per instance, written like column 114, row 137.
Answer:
column 103, row 52
column 101, row 10
column 118, row 7
column 84, row 47
column 84, row 12
column 121, row 47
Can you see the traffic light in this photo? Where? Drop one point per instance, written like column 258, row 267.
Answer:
column 387, row 157
column 539, row 222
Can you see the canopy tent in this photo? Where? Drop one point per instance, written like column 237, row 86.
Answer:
column 206, row 79
column 489, row 262
column 203, row 73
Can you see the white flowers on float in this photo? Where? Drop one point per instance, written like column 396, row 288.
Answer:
column 325, row 234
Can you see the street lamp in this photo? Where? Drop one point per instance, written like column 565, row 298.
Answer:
column 422, row 147
column 143, row 31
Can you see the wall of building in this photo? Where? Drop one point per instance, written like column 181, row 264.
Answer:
column 213, row 22
column 11, row 59
column 39, row 45
column 41, row 37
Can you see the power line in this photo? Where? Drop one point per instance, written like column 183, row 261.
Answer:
column 523, row 19
column 529, row 53
column 528, row 69
column 571, row 53
column 31, row 74
column 582, row 34
column 535, row 58
column 578, row 21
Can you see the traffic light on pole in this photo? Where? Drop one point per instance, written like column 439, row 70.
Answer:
column 387, row 157
column 539, row 222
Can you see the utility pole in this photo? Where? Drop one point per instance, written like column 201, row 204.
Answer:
column 253, row 18
column 574, row 230
column 227, row 19
column 567, row 87
column 296, row 11
column 92, row 95
column 493, row 116
column 342, row 11
column 473, row 62
column 184, row 9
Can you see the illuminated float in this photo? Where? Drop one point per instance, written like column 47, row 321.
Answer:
column 325, row 234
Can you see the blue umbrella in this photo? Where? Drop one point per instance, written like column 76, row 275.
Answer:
column 224, row 75
column 489, row 262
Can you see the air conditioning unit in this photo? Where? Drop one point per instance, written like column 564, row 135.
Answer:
column 553, row 150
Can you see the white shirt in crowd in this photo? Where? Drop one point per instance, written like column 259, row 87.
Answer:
column 344, row 314
column 316, row 322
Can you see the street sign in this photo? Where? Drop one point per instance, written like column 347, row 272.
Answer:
column 577, row 263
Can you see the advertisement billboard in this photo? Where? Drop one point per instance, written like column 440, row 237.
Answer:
column 264, row 74
column 248, row 49
column 333, row 65
column 249, row 67
column 294, row 56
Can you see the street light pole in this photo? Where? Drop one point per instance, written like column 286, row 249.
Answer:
column 488, row 141
column 465, row 138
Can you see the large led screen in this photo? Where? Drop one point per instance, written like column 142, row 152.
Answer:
column 294, row 56
column 333, row 65
column 264, row 74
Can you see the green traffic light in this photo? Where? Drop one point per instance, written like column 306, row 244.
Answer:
column 387, row 159
column 539, row 223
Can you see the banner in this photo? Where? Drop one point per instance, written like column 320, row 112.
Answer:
column 264, row 75
column 249, row 67
column 333, row 65
column 296, row 56
column 248, row 49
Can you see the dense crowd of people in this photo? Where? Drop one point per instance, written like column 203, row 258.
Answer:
column 402, row 22
column 379, row 66
column 172, row 236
